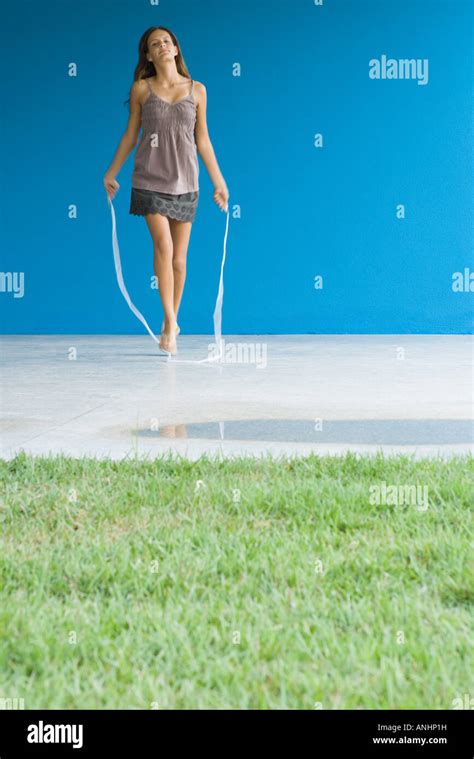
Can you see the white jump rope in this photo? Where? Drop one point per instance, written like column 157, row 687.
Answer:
column 217, row 309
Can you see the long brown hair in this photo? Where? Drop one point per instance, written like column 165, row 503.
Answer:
column 145, row 68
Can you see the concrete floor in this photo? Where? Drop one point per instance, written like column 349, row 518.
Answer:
column 283, row 394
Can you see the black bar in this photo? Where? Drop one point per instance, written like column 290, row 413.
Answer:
column 153, row 733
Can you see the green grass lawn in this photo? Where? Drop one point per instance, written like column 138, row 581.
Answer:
column 271, row 584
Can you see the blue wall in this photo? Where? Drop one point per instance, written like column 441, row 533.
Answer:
column 305, row 211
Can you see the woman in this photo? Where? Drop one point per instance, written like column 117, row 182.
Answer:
column 171, row 110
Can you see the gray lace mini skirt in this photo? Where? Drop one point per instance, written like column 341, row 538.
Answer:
column 182, row 207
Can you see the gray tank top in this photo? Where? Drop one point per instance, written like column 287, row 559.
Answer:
column 166, row 157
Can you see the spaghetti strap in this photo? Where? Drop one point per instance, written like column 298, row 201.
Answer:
column 147, row 80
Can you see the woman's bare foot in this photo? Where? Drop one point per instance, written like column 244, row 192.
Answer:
column 168, row 337
column 168, row 344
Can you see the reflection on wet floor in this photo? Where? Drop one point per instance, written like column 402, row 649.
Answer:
column 375, row 431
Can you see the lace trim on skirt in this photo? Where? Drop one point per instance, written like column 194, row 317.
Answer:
column 182, row 207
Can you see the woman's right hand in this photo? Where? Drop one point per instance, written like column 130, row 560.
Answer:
column 111, row 186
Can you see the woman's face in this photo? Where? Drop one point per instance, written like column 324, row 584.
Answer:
column 160, row 47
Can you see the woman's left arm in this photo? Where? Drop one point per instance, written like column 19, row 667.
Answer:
column 205, row 149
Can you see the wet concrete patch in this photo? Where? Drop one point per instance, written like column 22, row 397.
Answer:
column 369, row 431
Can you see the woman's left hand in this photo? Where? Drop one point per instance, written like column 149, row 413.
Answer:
column 221, row 196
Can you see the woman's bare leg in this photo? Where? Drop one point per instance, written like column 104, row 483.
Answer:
column 180, row 234
column 163, row 267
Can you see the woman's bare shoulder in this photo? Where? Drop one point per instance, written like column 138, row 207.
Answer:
column 199, row 92
column 140, row 89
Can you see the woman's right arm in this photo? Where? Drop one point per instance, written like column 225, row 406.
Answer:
column 128, row 141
